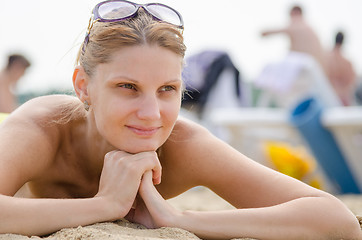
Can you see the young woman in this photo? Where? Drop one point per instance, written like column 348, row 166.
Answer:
column 119, row 149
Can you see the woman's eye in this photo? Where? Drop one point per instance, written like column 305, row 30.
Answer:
column 167, row 88
column 127, row 86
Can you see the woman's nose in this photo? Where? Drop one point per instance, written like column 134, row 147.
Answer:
column 149, row 108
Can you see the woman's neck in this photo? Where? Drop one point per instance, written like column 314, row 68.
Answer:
column 93, row 146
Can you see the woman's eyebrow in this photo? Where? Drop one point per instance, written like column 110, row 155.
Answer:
column 173, row 80
column 124, row 78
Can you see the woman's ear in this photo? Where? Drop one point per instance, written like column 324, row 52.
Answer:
column 80, row 83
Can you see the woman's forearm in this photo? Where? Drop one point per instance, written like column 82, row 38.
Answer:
column 304, row 218
column 43, row 216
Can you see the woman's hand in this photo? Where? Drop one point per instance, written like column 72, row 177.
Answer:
column 121, row 177
column 150, row 209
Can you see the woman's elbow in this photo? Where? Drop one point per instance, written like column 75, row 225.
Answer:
column 349, row 228
column 340, row 222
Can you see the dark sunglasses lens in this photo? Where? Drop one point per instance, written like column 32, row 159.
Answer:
column 165, row 13
column 116, row 10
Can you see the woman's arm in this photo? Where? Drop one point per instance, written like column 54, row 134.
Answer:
column 318, row 217
column 43, row 216
column 270, row 204
column 302, row 218
column 274, row 31
column 118, row 188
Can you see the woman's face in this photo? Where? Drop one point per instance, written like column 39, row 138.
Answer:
column 136, row 97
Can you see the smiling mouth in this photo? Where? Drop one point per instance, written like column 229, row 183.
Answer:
column 143, row 131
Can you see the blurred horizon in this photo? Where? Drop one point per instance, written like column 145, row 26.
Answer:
column 49, row 33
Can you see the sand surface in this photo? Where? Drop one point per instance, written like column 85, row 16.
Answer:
column 195, row 199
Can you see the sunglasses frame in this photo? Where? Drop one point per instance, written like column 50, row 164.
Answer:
column 97, row 18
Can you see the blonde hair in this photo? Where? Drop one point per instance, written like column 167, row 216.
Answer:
column 105, row 38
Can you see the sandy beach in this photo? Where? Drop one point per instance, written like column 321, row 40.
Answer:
column 200, row 199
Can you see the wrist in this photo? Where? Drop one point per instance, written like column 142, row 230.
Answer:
column 109, row 210
column 181, row 219
column 198, row 223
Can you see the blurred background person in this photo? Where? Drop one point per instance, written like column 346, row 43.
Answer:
column 9, row 77
column 340, row 72
column 302, row 36
column 301, row 73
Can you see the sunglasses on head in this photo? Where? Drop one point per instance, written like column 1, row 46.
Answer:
column 119, row 10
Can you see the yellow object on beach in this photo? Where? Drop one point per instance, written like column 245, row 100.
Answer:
column 293, row 161
column 3, row 116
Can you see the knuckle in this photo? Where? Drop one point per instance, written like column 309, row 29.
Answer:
column 115, row 155
column 108, row 155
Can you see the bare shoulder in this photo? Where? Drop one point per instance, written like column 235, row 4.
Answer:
column 28, row 142
column 178, row 156
column 192, row 145
column 185, row 157
column 187, row 130
column 192, row 140
column 44, row 108
column 182, row 140
column 42, row 116
column 37, row 113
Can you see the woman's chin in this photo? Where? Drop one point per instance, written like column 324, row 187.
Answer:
column 134, row 150
column 136, row 146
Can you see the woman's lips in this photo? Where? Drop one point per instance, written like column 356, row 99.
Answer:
column 143, row 131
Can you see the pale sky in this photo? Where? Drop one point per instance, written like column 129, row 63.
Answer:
column 49, row 32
